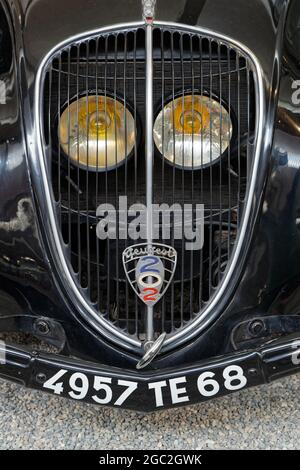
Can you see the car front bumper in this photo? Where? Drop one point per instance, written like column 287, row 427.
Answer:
column 153, row 390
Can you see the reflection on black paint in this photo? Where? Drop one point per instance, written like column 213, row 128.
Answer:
column 191, row 12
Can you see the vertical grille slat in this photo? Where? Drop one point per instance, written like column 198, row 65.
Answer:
column 99, row 295
column 79, row 259
column 193, row 71
column 59, row 151
column 220, row 172
column 210, row 171
column 173, row 169
column 126, row 174
column 49, row 109
column 136, row 306
column 87, row 222
column 239, row 139
column 182, row 182
column 162, row 103
column 106, row 179
column 69, row 163
column 116, row 306
column 201, row 277
column 192, row 182
column 229, row 158
column 248, row 119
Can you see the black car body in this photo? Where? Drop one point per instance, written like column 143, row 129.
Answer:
column 230, row 317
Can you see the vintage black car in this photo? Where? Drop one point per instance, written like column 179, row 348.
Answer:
column 149, row 197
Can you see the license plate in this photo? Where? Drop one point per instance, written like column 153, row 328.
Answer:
column 147, row 394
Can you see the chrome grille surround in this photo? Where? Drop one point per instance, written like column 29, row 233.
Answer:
column 62, row 261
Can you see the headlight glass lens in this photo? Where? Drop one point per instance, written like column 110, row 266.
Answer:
column 192, row 131
column 97, row 132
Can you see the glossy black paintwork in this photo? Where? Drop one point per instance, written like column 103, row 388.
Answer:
column 267, row 280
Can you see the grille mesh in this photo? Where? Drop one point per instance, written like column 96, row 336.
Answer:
column 114, row 65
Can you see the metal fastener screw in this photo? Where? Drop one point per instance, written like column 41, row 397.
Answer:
column 41, row 378
column 42, row 327
column 256, row 327
column 253, row 372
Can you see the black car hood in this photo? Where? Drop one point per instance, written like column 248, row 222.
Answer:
column 44, row 23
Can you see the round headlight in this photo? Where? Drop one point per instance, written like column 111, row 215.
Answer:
column 97, row 132
column 193, row 131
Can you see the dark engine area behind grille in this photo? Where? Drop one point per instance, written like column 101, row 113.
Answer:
column 114, row 65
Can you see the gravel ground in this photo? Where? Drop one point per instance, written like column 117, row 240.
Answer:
column 266, row 417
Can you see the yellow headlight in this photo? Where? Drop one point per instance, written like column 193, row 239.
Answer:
column 192, row 131
column 97, row 132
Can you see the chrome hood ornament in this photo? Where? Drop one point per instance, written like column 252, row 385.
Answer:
column 150, row 268
column 149, row 10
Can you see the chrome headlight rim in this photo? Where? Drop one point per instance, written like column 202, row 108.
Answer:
column 214, row 97
column 100, row 93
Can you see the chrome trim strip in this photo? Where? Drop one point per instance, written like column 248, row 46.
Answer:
column 208, row 315
column 2, row 352
column 149, row 161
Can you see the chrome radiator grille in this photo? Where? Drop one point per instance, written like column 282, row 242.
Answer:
column 114, row 65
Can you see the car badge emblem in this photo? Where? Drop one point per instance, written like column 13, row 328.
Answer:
column 150, row 269
column 148, row 10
